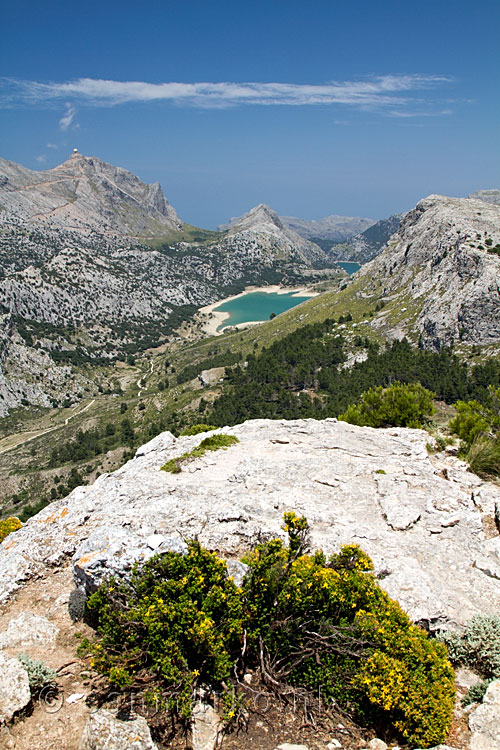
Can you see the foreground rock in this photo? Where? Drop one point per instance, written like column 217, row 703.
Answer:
column 28, row 628
column 15, row 691
column 484, row 722
column 433, row 540
column 104, row 731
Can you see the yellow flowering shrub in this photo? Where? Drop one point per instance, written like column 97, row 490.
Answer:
column 8, row 526
column 324, row 625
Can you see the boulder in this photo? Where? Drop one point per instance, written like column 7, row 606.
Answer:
column 205, row 727
column 28, row 628
column 15, row 691
column 484, row 721
column 113, row 551
column 104, row 731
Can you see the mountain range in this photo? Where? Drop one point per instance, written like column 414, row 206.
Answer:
column 95, row 264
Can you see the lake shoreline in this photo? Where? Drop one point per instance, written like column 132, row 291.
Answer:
column 213, row 319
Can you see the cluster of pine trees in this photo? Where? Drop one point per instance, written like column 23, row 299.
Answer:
column 302, row 376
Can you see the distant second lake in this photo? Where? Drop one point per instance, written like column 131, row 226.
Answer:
column 348, row 266
column 257, row 306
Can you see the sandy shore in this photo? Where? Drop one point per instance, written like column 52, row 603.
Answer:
column 212, row 319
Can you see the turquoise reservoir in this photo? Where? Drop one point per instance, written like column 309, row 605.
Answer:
column 349, row 267
column 257, row 306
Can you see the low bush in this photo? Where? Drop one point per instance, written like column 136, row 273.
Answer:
column 399, row 405
column 8, row 526
column 483, row 456
column 478, row 427
column 308, row 623
column 477, row 646
column 196, row 429
column 39, row 675
column 211, row 443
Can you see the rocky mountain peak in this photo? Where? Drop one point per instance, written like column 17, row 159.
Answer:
column 85, row 193
column 259, row 218
column 334, row 227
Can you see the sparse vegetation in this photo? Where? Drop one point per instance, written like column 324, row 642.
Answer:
column 211, row 443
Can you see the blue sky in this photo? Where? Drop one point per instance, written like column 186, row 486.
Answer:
column 356, row 108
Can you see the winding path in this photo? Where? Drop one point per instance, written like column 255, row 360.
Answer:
column 50, row 429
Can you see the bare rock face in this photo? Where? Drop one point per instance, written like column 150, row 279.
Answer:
column 104, row 731
column 15, row 691
column 484, row 721
column 442, row 267
column 424, row 533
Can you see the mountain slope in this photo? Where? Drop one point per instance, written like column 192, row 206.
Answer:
column 86, row 193
column 366, row 245
column 263, row 227
column 94, row 265
column 439, row 275
column 335, row 228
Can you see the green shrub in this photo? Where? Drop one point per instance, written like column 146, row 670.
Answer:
column 478, row 427
column 477, row 646
column 483, row 456
column 472, row 419
column 211, row 443
column 475, row 694
column 195, row 429
column 179, row 619
column 399, row 405
column 8, row 526
column 39, row 674
column 304, row 620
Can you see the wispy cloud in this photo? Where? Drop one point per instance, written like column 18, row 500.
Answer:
column 379, row 92
column 41, row 159
column 68, row 117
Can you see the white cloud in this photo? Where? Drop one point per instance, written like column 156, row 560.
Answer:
column 41, row 159
column 52, row 145
column 68, row 117
column 380, row 92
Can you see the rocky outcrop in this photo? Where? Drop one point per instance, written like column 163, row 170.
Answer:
column 15, row 691
column 27, row 629
column 105, row 731
column 441, row 269
column 484, row 721
column 377, row 488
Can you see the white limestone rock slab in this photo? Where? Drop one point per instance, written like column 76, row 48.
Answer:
column 484, row 721
column 327, row 470
column 15, row 691
column 29, row 628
